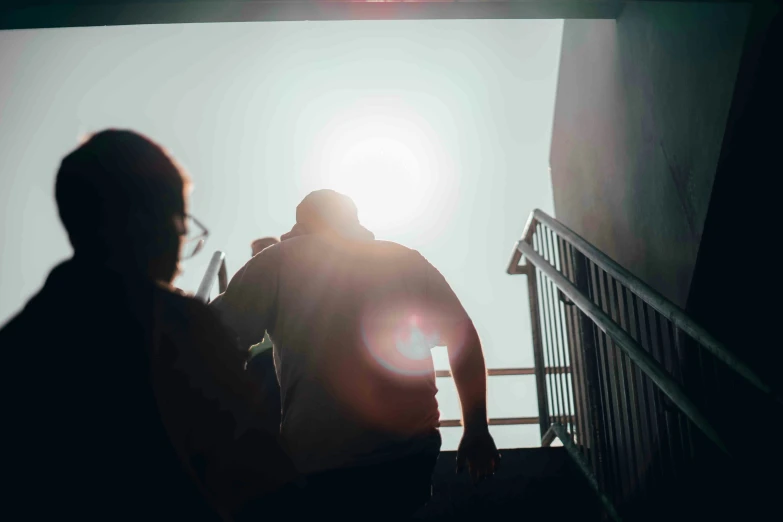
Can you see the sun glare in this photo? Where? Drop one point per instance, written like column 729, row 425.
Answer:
column 387, row 159
column 383, row 177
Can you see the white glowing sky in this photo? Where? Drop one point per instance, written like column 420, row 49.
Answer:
column 388, row 159
column 440, row 130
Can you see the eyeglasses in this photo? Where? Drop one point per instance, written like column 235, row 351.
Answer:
column 196, row 235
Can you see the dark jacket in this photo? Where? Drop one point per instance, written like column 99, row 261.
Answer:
column 123, row 400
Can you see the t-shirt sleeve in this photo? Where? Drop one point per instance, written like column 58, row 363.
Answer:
column 247, row 306
column 445, row 311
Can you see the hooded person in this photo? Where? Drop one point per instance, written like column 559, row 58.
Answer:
column 352, row 320
column 327, row 209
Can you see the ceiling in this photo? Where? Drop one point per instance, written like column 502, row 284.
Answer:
column 23, row 14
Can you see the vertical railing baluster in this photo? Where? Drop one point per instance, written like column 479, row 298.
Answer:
column 578, row 357
column 628, row 393
column 682, row 344
column 621, row 390
column 665, row 401
column 597, row 415
column 543, row 288
column 551, row 300
column 606, row 391
column 574, row 347
column 538, row 347
column 656, row 396
column 638, row 398
column 613, row 387
column 652, row 470
column 562, row 376
column 678, row 444
column 556, row 363
column 648, row 388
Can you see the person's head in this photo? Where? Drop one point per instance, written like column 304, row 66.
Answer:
column 259, row 244
column 328, row 211
column 123, row 201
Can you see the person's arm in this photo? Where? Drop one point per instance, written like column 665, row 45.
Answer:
column 477, row 449
column 470, row 375
column 247, row 306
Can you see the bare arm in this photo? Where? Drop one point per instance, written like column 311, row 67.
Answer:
column 470, row 375
column 477, row 449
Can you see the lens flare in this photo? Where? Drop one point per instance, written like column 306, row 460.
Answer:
column 400, row 342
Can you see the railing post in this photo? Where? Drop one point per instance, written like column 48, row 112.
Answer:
column 587, row 338
column 222, row 277
column 538, row 349
column 215, row 270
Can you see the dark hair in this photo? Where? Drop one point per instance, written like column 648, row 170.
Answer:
column 116, row 183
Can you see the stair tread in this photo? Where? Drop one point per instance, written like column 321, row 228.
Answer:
column 531, row 482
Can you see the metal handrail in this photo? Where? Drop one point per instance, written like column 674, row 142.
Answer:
column 643, row 360
column 675, row 314
column 607, row 427
column 499, row 372
column 215, row 270
column 559, row 431
column 502, row 421
column 502, row 372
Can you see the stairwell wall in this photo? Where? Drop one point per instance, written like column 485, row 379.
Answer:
column 641, row 109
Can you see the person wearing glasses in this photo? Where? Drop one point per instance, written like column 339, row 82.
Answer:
column 141, row 409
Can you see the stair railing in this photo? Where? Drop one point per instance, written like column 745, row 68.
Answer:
column 502, row 372
column 645, row 384
column 216, row 270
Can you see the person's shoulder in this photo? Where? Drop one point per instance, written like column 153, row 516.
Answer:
column 270, row 254
column 186, row 309
column 189, row 321
column 11, row 331
column 31, row 320
column 401, row 256
column 396, row 248
column 177, row 301
column 294, row 243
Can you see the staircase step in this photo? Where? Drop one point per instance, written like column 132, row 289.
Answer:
column 535, row 483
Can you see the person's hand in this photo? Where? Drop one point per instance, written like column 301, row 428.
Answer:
column 477, row 450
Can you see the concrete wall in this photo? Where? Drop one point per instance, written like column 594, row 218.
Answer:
column 641, row 109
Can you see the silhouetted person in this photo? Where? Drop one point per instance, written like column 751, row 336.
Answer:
column 123, row 399
column 261, row 363
column 352, row 321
